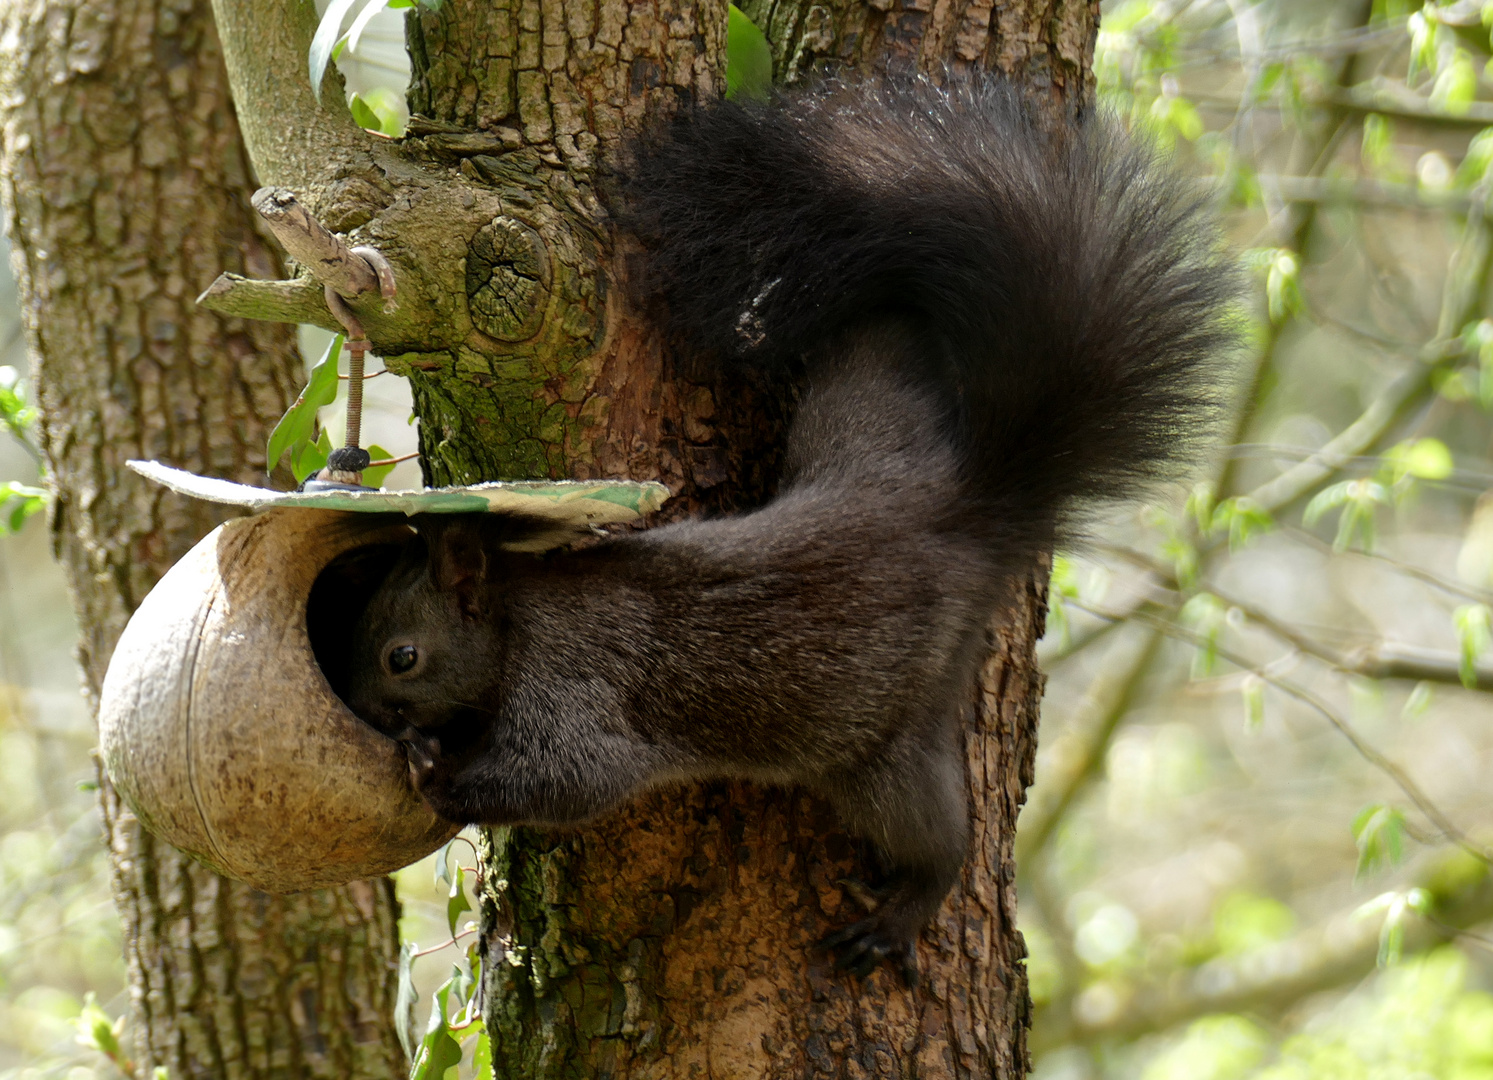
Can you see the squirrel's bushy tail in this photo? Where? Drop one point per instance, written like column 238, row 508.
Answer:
column 1073, row 282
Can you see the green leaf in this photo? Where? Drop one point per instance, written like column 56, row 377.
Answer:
column 1358, row 500
column 1252, row 690
column 363, row 116
column 1201, row 501
column 382, row 111
column 299, row 421
column 456, row 902
column 1062, row 586
column 96, row 1031
column 328, row 34
column 1243, row 519
column 22, row 510
column 376, row 475
column 1422, row 42
column 1184, row 559
column 464, row 989
column 1396, row 908
column 482, row 1057
column 1478, row 338
column 1475, row 162
column 1392, row 938
column 309, row 457
column 1456, row 84
column 1419, row 701
column 1176, row 117
column 1474, row 637
column 404, row 998
column 16, row 412
column 1206, row 614
column 443, row 863
column 748, row 59
column 19, row 502
column 1424, row 459
column 1282, row 270
column 1283, row 286
column 1377, row 152
column 1379, row 832
column 438, row 1051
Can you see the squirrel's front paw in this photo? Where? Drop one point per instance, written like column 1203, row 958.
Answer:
column 859, row 947
column 420, row 751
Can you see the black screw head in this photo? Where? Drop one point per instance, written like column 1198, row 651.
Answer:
column 348, row 459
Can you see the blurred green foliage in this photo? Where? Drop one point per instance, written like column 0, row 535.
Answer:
column 1259, row 843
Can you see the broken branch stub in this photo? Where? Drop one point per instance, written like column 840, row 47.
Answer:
column 310, row 243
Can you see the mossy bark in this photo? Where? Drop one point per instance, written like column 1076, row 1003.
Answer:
column 674, row 938
column 126, row 191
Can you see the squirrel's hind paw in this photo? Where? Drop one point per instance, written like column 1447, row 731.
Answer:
column 859, row 947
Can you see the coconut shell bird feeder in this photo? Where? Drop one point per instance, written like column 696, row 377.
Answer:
column 220, row 722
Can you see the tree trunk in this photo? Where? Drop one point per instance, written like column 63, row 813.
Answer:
column 674, row 938
column 125, row 188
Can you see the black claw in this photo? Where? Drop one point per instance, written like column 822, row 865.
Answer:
column 855, row 954
column 833, row 941
column 861, row 947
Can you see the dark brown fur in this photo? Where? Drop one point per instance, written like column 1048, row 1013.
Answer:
column 998, row 323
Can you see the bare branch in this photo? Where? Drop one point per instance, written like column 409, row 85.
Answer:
column 1394, row 99
column 1420, row 573
column 1374, row 660
column 1095, row 721
column 1366, row 750
column 312, row 245
column 1380, row 660
column 298, row 300
column 1269, row 980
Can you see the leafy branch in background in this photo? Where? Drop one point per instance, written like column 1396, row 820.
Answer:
column 455, row 1024
column 1337, row 118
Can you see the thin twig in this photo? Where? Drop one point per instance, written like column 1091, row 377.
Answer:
column 443, row 945
column 1365, row 750
column 1420, row 573
column 1371, row 660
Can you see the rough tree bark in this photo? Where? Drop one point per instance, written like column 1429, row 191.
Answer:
column 674, row 938
column 126, row 191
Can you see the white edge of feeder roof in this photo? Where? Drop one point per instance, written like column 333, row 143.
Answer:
column 576, row 503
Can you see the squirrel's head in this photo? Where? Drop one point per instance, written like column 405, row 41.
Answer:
column 427, row 653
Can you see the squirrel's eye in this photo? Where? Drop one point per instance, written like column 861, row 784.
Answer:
column 403, row 658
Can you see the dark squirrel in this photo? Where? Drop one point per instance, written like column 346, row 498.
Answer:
column 999, row 320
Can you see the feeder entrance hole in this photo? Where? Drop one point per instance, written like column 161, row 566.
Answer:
column 336, row 605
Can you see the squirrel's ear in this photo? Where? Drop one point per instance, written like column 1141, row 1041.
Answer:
column 458, row 557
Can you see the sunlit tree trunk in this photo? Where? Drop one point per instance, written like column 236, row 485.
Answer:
column 126, row 191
